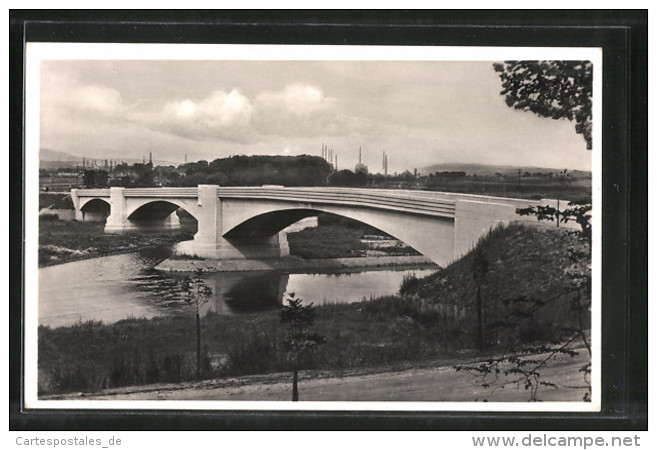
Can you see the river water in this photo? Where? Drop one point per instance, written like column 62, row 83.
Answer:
column 117, row 287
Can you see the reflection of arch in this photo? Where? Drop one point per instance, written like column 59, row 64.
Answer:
column 95, row 210
column 256, row 292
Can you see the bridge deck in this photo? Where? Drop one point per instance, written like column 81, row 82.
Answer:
column 418, row 202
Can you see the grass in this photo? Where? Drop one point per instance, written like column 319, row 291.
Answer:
column 61, row 242
column 435, row 317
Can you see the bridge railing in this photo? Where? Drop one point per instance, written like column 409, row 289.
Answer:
column 399, row 201
column 186, row 192
column 93, row 192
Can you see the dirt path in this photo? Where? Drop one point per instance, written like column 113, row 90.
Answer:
column 419, row 384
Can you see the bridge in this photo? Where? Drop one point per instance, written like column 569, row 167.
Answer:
column 248, row 222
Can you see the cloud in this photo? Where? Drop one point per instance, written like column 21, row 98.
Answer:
column 97, row 98
column 69, row 96
column 297, row 100
column 296, row 110
column 223, row 115
column 299, row 110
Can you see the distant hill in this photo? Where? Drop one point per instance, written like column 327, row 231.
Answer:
column 51, row 159
column 46, row 154
column 490, row 169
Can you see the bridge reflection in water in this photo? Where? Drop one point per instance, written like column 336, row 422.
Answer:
column 117, row 287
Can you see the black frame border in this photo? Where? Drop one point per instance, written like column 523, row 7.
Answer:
column 623, row 36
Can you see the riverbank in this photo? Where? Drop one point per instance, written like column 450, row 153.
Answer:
column 61, row 242
column 292, row 263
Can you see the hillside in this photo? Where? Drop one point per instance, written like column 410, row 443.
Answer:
column 523, row 290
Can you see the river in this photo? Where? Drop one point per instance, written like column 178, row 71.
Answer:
column 112, row 288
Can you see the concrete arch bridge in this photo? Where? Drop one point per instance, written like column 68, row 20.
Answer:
column 247, row 222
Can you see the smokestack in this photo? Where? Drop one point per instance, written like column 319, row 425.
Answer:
column 150, row 158
column 143, row 159
column 336, row 162
column 185, row 158
column 359, row 155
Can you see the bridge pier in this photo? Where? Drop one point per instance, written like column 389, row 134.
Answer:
column 209, row 241
column 118, row 221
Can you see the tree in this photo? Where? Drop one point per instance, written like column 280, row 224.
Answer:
column 94, row 179
column 196, row 294
column 145, row 176
column 554, row 89
column 300, row 340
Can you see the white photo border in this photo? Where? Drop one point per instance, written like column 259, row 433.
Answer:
column 36, row 52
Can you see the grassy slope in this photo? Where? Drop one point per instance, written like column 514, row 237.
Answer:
column 435, row 319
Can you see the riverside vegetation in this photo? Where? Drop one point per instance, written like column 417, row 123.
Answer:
column 432, row 318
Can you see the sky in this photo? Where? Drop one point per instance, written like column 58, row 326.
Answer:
column 419, row 112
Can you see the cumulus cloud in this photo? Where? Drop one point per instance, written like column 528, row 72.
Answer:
column 296, row 110
column 301, row 110
column 296, row 100
column 97, row 98
column 67, row 96
column 220, row 115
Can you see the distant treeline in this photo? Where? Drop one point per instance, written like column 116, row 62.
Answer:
column 301, row 170
column 257, row 170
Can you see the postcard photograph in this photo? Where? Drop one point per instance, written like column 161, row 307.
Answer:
column 312, row 227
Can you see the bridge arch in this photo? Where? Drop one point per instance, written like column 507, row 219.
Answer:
column 433, row 238
column 152, row 215
column 95, row 210
column 157, row 209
